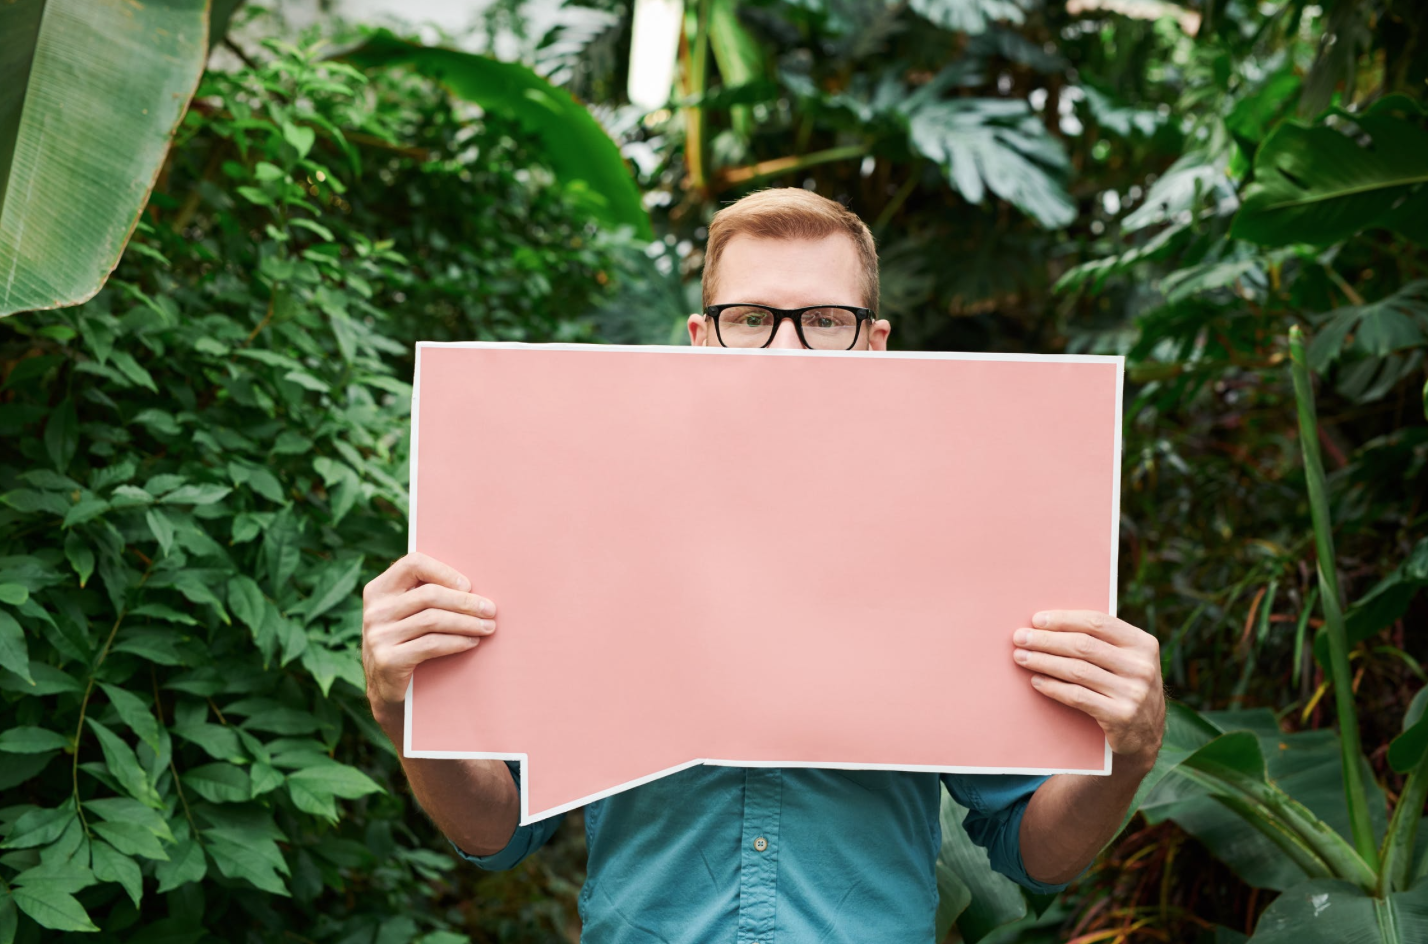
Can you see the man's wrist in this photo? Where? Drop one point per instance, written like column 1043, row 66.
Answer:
column 1135, row 765
column 389, row 717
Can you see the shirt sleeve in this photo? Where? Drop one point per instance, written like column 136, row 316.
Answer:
column 995, row 805
column 524, row 841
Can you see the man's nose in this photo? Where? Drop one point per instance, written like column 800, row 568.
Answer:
column 786, row 336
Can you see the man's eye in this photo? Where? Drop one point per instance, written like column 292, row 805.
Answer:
column 754, row 320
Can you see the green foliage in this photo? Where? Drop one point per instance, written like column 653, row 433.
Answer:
column 203, row 464
column 575, row 146
column 75, row 164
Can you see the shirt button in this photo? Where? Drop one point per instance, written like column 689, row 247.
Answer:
column 761, row 844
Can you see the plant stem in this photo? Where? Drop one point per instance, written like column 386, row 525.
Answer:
column 695, row 84
column 786, row 165
column 1331, row 599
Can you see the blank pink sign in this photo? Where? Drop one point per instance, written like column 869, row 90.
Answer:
column 758, row 558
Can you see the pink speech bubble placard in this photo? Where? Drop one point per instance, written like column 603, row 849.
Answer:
column 766, row 558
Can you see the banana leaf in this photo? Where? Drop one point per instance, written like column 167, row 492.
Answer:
column 1306, row 766
column 970, row 894
column 577, row 149
column 1318, row 185
column 1334, row 912
column 91, row 92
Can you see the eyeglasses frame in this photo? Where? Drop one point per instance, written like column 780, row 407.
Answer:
column 862, row 314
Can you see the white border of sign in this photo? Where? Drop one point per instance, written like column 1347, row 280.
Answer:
column 524, row 759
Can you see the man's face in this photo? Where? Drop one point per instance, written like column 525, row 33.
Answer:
column 791, row 273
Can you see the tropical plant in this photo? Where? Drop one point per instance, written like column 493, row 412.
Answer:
column 203, row 463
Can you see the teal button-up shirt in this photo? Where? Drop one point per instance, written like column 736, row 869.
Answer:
column 764, row 855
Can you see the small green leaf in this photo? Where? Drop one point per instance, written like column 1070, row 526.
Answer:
column 125, row 810
column 52, row 908
column 200, row 494
column 135, row 712
column 131, row 839
column 80, row 556
column 344, row 582
column 62, row 435
column 13, row 594
column 133, row 369
column 162, row 529
column 300, row 137
column 219, row 783
column 14, row 651
column 185, row 865
column 9, row 918
column 39, row 827
column 245, row 599
column 110, row 865
column 84, row 510
column 242, row 856
column 119, row 758
column 31, row 740
column 265, row 778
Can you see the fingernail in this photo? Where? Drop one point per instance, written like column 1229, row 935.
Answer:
column 1039, row 620
column 1020, row 655
column 486, row 609
column 1021, row 637
column 1036, row 681
column 463, row 584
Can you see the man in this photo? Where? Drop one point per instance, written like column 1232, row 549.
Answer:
column 761, row 856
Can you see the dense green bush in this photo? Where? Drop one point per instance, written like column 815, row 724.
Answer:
column 202, row 465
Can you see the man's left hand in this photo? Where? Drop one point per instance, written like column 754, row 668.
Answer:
column 1103, row 666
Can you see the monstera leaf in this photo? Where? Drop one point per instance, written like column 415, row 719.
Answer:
column 573, row 143
column 1320, row 184
column 91, row 92
column 997, row 144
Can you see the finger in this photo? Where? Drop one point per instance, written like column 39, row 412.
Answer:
column 436, row 622
column 1077, row 671
column 1095, row 704
column 410, row 571
column 433, row 646
column 430, row 596
column 1101, row 625
column 1084, row 646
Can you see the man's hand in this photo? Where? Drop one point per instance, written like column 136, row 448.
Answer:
column 1103, row 666
column 418, row 609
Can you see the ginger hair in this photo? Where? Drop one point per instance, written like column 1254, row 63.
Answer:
column 789, row 213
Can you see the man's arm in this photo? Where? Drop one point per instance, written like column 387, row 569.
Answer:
column 1110, row 670
column 475, row 803
column 420, row 609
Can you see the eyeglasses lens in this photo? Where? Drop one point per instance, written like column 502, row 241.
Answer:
column 825, row 329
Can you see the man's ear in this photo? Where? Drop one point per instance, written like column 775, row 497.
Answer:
column 878, row 335
column 698, row 330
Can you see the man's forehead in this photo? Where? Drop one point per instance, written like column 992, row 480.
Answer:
column 790, row 273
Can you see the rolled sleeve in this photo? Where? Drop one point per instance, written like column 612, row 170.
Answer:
column 524, row 841
column 995, row 806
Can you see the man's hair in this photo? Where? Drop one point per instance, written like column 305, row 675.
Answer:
column 789, row 213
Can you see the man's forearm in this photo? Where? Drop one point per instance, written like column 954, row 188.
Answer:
column 474, row 802
column 1071, row 818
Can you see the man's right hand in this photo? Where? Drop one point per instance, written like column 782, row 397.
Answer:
column 417, row 609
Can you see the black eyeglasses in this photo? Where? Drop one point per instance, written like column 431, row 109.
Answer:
column 820, row 327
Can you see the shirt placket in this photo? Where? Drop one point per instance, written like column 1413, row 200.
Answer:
column 758, row 860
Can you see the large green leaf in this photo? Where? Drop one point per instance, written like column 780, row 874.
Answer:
column 575, row 146
column 1332, row 912
column 91, row 92
column 1319, row 184
column 964, row 870
column 1305, row 766
column 986, row 144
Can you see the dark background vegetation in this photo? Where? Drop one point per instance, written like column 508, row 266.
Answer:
column 205, row 462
